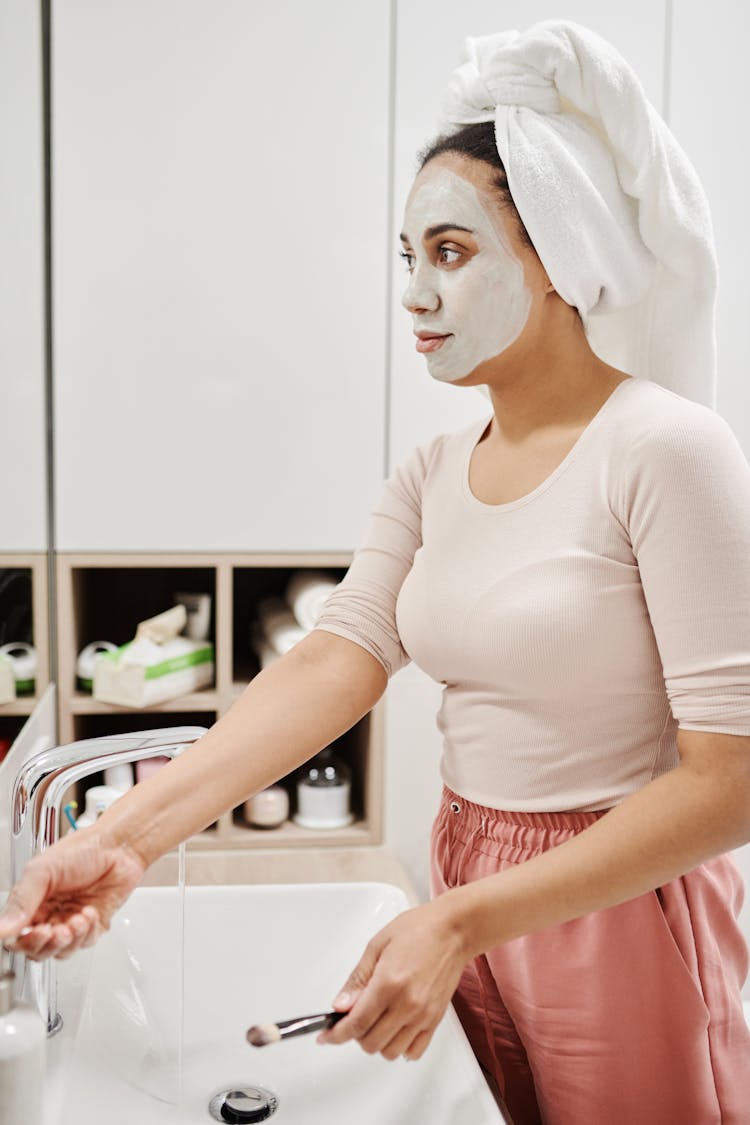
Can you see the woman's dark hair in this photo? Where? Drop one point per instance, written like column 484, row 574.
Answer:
column 478, row 143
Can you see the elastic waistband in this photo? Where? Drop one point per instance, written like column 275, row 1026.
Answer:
column 492, row 822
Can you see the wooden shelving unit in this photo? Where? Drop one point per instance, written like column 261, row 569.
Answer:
column 13, row 715
column 104, row 596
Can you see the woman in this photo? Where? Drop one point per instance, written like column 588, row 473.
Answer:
column 573, row 570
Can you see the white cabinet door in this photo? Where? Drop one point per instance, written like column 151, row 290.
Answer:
column 709, row 119
column 23, row 425
column 38, row 733
column 220, row 185
column 430, row 41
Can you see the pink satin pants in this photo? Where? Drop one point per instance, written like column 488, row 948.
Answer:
column 628, row 1016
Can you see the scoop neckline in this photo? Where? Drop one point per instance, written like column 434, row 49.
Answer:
column 567, row 460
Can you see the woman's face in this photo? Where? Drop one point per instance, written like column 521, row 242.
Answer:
column 467, row 291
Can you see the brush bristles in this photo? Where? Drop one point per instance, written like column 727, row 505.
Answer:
column 263, row 1034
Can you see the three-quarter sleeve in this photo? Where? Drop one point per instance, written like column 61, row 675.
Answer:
column 686, row 503
column 362, row 608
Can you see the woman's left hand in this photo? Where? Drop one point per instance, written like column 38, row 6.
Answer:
column 397, row 994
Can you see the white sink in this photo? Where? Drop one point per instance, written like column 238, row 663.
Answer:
column 141, row 1045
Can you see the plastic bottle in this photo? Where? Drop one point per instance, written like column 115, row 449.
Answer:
column 23, row 1043
column 119, row 777
column 98, row 799
column 323, row 793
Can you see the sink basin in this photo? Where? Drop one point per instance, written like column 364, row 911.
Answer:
column 155, row 1015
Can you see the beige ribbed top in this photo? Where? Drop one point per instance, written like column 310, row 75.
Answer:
column 575, row 628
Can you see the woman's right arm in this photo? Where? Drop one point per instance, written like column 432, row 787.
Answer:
column 67, row 895
column 291, row 710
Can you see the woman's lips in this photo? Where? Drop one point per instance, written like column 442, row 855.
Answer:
column 431, row 343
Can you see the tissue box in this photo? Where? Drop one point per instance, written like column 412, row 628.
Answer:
column 142, row 672
column 7, row 681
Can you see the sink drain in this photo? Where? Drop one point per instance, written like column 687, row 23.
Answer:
column 243, row 1103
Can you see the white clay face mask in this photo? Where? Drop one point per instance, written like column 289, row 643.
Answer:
column 471, row 312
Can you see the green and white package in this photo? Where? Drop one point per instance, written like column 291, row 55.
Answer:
column 143, row 672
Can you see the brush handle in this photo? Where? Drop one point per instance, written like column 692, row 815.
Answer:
column 305, row 1025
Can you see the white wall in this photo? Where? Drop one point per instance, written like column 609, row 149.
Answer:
column 23, row 477
column 708, row 95
column 707, row 112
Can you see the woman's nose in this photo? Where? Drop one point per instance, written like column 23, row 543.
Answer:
column 420, row 295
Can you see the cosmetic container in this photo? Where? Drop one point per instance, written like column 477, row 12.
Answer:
column 23, row 1043
column 23, row 660
column 323, row 793
column 198, row 609
column 87, row 659
column 98, row 800
column 267, row 809
column 119, row 777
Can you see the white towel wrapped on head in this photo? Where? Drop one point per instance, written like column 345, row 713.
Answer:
column 307, row 593
column 611, row 202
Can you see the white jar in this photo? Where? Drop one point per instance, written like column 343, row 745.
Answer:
column 119, row 777
column 98, row 800
column 23, row 1044
column 267, row 809
column 323, row 793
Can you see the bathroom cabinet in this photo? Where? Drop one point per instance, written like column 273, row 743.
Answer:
column 104, row 596
column 220, row 198
column 23, row 406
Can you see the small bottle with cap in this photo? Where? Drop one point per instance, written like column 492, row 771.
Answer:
column 323, row 793
column 98, row 800
column 23, row 1044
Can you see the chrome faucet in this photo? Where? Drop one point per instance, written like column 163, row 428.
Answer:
column 36, row 812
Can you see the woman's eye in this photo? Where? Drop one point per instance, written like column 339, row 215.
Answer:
column 448, row 257
column 407, row 258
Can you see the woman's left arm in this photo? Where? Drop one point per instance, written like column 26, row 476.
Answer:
column 683, row 496
column 403, row 984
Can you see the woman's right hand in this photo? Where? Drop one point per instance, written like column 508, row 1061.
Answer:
column 67, row 894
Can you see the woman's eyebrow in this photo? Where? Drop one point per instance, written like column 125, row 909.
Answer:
column 441, row 228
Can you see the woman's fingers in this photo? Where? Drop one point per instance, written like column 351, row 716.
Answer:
column 60, row 937
column 70, row 936
column 347, row 998
column 360, row 974
column 404, row 983
column 80, row 929
column 23, row 900
column 95, row 926
column 382, row 1032
column 399, row 1045
column 416, row 1049
column 32, row 942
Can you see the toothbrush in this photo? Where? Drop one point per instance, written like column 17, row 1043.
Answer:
column 264, row 1033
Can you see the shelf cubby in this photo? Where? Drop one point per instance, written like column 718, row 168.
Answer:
column 24, row 616
column 250, row 585
column 103, row 596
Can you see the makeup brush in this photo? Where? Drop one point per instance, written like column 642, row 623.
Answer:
column 264, row 1033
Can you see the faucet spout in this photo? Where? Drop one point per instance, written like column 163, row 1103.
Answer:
column 36, row 811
